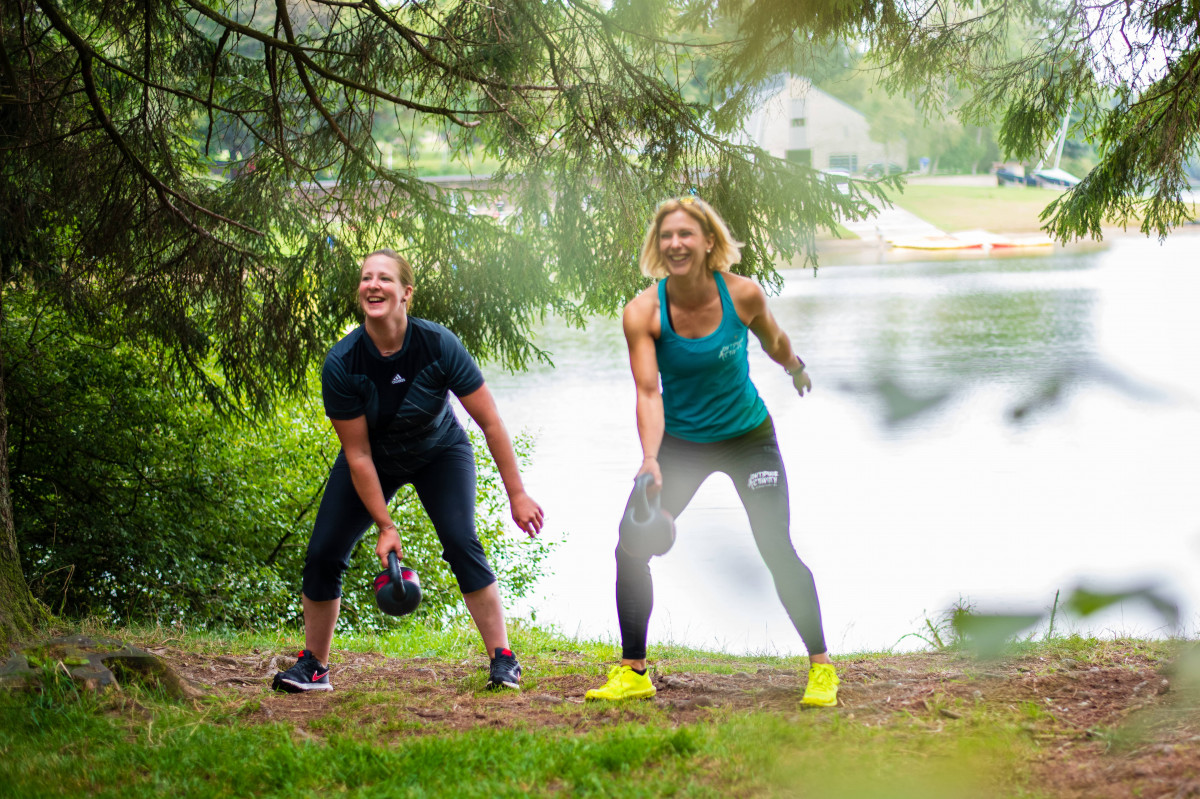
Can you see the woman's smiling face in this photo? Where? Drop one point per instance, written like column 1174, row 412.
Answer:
column 682, row 243
column 380, row 290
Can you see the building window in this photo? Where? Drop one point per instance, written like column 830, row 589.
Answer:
column 846, row 162
column 798, row 123
column 803, row 157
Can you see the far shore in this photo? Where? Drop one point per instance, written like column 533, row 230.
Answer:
column 956, row 203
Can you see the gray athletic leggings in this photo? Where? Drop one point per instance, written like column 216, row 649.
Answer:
column 752, row 460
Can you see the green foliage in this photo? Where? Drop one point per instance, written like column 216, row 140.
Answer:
column 134, row 502
column 989, row 635
column 942, row 632
column 162, row 163
column 1085, row 601
column 950, row 144
column 986, row 634
column 1126, row 74
column 191, row 185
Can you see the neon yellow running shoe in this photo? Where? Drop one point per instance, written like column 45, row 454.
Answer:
column 822, row 686
column 624, row 683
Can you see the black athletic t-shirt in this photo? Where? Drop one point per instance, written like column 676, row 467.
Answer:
column 403, row 396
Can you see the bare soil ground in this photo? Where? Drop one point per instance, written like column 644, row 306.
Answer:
column 1116, row 726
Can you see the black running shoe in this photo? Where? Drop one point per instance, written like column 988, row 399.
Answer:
column 307, row 675
column 505, row 671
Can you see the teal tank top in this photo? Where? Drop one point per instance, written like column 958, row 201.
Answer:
column 706, row 388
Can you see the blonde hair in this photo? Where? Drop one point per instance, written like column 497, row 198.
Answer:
column 726, row 250
column 403, row 267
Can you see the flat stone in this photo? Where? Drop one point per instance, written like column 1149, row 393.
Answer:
column 670, row 681
column 96, row 664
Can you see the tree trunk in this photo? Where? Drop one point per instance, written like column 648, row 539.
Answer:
column 19, row 611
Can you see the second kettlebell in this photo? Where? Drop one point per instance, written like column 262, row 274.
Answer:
column 397, row 589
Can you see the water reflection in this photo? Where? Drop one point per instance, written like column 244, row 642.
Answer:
column 986, row 430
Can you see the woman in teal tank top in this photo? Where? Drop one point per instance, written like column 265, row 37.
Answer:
column 706, row 390
column 691, row 331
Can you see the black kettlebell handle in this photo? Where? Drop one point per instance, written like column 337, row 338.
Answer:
column 641, row 485
column 394, row 575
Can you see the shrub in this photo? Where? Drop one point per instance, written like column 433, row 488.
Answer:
column 136, row 501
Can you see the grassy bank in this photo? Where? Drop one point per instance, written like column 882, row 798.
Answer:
column 999, row 210
column 409, row 717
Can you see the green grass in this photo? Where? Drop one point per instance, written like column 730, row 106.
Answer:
column 840, row 233
column 429, row 163
column 952, row 208
column 138, row 742
column 78, row 746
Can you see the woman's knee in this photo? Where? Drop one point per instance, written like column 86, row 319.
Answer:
column 322, row 579
column 632, row 563
column 785, row 565
column 776, row 549
column 468, row 562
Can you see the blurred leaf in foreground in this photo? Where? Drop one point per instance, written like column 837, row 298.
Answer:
column 1085, row 602
column 986, row 634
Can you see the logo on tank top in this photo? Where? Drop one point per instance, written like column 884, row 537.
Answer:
column 397, row 380
column 763, row 480
column 730, row 350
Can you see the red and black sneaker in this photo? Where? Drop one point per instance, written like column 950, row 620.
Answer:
column 505, row 671
column 307, row 675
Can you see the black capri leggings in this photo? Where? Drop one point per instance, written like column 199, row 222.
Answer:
column 752, row 460
column 446, row 488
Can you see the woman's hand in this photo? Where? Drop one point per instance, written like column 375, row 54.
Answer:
column 650, row 466
column 389, row 541
column 526, row 513
column 802, row 381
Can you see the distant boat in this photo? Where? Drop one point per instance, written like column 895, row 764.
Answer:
column 1053, row 178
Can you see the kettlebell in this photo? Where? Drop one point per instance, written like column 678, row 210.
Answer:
column 397, row 590
column 646, row 529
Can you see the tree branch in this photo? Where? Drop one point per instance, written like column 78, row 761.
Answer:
column 410, row 36
column 164, row 191
column 454, row 115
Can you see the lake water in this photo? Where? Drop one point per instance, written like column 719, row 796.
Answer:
column 986, row 430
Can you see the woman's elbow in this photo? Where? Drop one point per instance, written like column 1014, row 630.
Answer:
column 357, row 458
column 648, row 397
column 492, row 427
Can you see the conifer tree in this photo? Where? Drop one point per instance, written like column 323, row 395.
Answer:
column 1125, row 75
column 203, row 176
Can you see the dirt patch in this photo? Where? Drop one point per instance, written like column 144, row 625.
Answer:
column 1113, row 726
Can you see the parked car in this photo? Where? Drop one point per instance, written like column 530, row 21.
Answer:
column 839, row 178
column 879, row 169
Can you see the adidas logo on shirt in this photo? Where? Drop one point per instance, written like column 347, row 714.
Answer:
column 397, row 380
